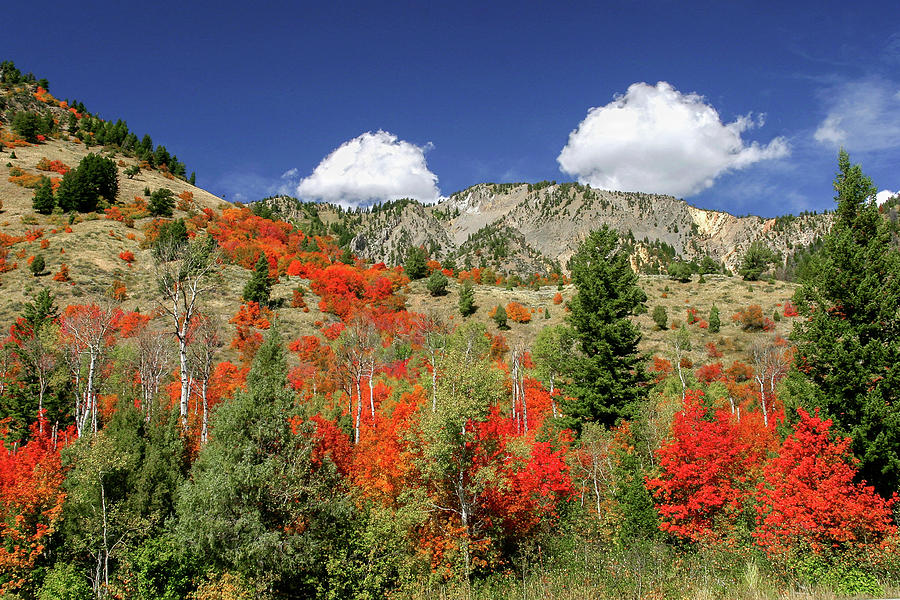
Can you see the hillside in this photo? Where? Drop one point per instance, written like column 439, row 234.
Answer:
column 534, row 228
column 517, row 228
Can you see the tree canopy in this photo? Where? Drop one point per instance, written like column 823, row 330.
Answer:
column 606, row 374
column 849, row 343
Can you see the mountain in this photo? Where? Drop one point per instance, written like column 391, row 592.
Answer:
column 535, row 228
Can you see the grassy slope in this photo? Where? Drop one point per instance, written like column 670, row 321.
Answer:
column 91, row 251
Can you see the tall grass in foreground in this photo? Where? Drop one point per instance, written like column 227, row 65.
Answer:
column 649, row 571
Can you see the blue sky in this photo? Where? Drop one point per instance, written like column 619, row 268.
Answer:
column 351, row 100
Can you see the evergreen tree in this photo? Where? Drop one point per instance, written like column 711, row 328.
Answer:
column 43, row 200
column 714, row 322
column 660, row 317
column 607, row 375
column 500, row 317
column 162, row 202
column 41, row 310
column 679, row 271
column 37, row 265
column 708, row 265
column 256, row 503
column 26, row 125
column 259, row 287
column 82, row 187
column 415, row 267
column 437, row 283
column 172, row 237
column 466, row 298
column 849, row 344
column 758, row 258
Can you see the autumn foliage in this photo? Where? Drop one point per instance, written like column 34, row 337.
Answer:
column 809, row 499
column 31, row 502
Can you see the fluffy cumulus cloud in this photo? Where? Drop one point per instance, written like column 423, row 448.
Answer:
column 884, row 195
column 373, row 166
column 656, row 139
column 862, row 115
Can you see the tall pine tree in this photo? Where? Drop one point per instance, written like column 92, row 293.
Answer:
column 256, row 503
column 849, row 344
column 259, row 287
column 606, row 375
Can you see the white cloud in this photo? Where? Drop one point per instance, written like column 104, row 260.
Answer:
column 883, row 196
column 862, row 115
column 656, row 139
column 373, row 166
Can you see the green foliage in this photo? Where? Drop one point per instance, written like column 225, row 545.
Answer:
column 833, row 573
column 607, row 375
column 500, row 317
column 680, row 271
column 162, row 202
column 708, row 265
column 437, row 283
column 43, row 200
column 551, row 352
column 172, row 237
column 41, row 310
column 466, row 299
column 849, row 345
column 159, row 569
column 661, row 317
column 9, row 74
column 37, row 265
column 27, row 125
column 259, row 286
column 65, row 582
column 255, row 503
column 415, row 266
column 757, row 260
column 82, row 188
column 714, row 321
column 131, row 171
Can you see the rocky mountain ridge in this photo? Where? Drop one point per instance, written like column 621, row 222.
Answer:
column 535, row 228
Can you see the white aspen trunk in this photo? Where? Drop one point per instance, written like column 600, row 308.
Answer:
column 762, row 400
column 358, row 410
column 372, row 389
column 185, row 377
column 204, row 428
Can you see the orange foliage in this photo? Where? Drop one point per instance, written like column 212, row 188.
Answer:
column 557, row 299
column 31, row 502
column 518, row 313
column 56, row 166
column 62, row 274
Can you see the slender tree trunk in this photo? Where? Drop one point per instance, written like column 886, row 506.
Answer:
column 358, row 409
column 185, row 377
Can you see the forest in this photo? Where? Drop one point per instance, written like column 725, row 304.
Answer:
column 146, row 455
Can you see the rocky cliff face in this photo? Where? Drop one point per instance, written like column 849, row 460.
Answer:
column 530, row 228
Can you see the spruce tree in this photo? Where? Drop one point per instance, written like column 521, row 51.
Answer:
column 660, row 317
column 466, row 298
column 415, row 266
column 162, row 201
column 500, row 317
column 259, row 287
column 607, row 374
column 714, row 322
column 37, row 265
column 256, row 502
column 437, row 283
column 848, row 347
column 43, row 200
